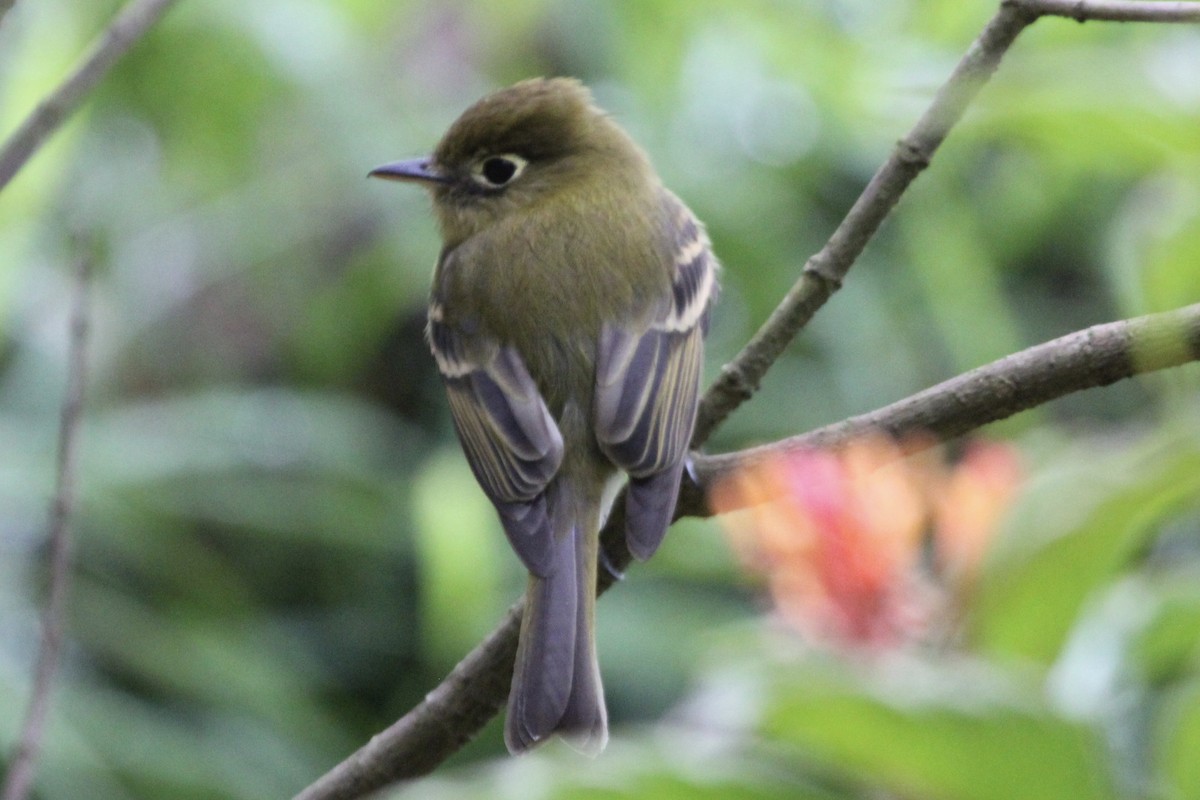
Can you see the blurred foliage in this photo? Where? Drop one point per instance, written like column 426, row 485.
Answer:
column 280, row 549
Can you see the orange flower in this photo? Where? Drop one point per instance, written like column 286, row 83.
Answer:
column 969, row 504
column 838, row 534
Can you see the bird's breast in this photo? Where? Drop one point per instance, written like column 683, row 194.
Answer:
column 545, row 281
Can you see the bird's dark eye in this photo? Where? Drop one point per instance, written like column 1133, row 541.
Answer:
column 496, row 171
column 499, row 170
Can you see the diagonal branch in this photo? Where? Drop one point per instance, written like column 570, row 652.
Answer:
column 131, row 23
column 824, row 272
column 477, row 687
column 20, row 771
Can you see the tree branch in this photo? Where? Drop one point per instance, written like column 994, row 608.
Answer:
column 477, row 687
column 1113, row 10
column 824, row 272
column 21, row 769
column 1097, row 356
column 131, row 23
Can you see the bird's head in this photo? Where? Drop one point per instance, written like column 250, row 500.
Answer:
column 516, row 148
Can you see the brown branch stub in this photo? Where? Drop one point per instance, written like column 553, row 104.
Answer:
column 913, row 154
column 130, row 25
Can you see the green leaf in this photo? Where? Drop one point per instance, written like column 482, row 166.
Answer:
column 1169, row 645
column 679, row 765
column 960, row 277
column 1029, row 602
column 963, row 740
column 460, row 545
column 1179, row 742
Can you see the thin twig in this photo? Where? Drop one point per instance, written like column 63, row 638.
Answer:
column 24, row 762
column 130, row 24
column 1113, row 10
column 475, row 690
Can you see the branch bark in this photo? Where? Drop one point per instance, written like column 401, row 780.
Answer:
column 823, row 273
column 477, row 687
column 1113, row 10
column 1094, row 357
column 23, row 765
column 130, row 25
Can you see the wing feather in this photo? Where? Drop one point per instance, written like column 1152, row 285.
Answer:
column 648, row 381
column 510, row 439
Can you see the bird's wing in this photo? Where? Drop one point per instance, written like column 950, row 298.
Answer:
column 648, row 380
column 511, row 441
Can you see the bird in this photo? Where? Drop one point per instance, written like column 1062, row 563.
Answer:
column 567, row 317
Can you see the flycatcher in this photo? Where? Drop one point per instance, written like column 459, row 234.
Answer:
column 567, row 318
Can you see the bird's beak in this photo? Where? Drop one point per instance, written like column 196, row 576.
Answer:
column 416, row 170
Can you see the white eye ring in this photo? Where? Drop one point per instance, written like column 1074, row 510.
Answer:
column 500, row 170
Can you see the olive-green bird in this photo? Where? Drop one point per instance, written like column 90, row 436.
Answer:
column 567, row 317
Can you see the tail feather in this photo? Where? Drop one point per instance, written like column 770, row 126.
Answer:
column 556, row 684
column 584, row 723
column 545, row 665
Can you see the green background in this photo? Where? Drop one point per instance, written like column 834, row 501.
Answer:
column 280, row 548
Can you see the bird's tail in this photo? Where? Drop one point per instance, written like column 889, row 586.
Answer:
column 556, row 685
